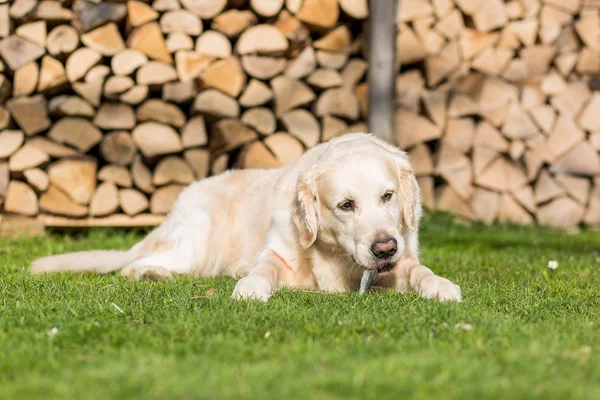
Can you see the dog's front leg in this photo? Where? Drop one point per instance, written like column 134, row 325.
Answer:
column 409, row 274
column 261, row 282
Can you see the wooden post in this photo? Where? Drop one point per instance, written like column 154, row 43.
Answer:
column 381, row 77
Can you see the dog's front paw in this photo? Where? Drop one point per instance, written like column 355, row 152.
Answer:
column 438, row 288
column 253, row 288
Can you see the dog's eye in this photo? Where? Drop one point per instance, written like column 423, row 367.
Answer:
column 347, row 205
column 387, row 197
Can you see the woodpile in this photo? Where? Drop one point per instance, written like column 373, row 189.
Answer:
column 109, row 108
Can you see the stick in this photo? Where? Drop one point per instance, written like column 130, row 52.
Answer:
column 367, row 280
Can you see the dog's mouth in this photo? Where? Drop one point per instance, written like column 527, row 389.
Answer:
column 378, row 265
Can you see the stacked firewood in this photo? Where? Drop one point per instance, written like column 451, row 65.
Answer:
column 109, row 108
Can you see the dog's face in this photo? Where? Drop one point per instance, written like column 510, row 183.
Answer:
column 356, row 203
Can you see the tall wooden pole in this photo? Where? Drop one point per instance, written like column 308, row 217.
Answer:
column 382, row 76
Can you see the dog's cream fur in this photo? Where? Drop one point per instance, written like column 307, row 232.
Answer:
column 285, row 227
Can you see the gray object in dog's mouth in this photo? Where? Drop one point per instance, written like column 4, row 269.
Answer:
column 367, row 280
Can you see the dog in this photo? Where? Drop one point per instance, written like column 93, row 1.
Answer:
column 345, row 206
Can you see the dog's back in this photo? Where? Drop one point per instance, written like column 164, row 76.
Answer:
column 224, row 220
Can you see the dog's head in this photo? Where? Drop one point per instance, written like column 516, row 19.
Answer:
column 356, row 201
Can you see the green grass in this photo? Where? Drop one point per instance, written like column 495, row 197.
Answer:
column 535, row 332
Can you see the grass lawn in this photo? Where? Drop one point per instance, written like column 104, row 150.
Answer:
column 534, row 331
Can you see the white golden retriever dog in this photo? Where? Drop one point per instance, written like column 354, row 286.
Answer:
column 318, row 223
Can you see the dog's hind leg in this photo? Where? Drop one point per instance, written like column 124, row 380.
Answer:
column 162, row 259
column 153, row 273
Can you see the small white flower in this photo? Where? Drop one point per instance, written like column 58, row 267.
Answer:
column 464, row 327
column 267, row 334
column 552, row 264
column 53, row 332
column 118, row 308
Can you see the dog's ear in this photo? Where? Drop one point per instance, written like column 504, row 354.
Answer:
column 306, row 209
column 411, row 197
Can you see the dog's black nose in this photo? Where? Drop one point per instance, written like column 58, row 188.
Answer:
column 384, row 248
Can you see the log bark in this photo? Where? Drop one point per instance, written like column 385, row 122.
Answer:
column 302, row 65
column 338, row 102
column 263, row 68
column 303, row 125
column 325, row 79
column 27, row 157
column 357, row 9
column 93, row 14
column 76, row 132
column 75, row 177
column 260, row 119
column 180, row 92
column 106, row 40
column 105, row 200
column 332, row 127
column 37, row 179
column 139, row 13
column 290, row 94
column 115, row 116
column 117, row 174
column 179, row 41
column 135, row 95
column 17, row 51
column 266, row 8
column 181, row 21
column 262, row 39
column 30, row 113
column 191, row 64
column 91, row 91
column 127, row 61
column 205, row 9
column 118, row 148
column 285, row 147
column 162, row 199
column 215, row 103
column 117, row 85
column 194, row 133
column 319, row 13
column 155, row 73
column 172, row 170
column 141, row 175
column 149, row 40
column 80, row 62
column 257, row 156
column 55, row 201
column 10, row 141
column 25, row 79
column 215, row 44
column 229, row 134
column 255, row 94
column 132, row 202
column 72, row 106
column 54, row 150
column 34, row 32
column 161, row 111
column 233, row 22
column 199, row 160
column 225, row 75
column 21, row 199
column 154, row 139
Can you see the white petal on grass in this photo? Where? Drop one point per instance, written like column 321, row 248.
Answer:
column 267, row 334
column 53, row 332
column 118, row 308
column 552, row 264
column 464, row 327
